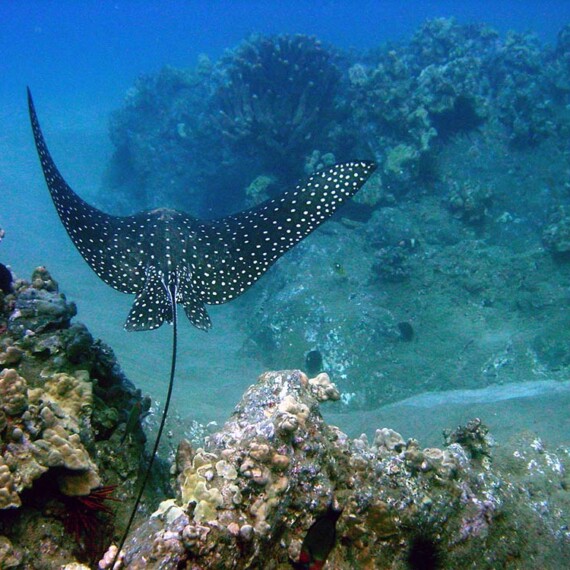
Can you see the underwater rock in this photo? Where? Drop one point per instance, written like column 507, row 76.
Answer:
column 391, row 263
column 258, row 190
column 410, row 97
column 266, row 105
column 39, row 306
column 160, row 139
column 474, row 438
column 558, row 70
column 318, row 161
column 250, row 496
column 9, row 558
column 522, row 95
column 57, row 386
column 556, row 235
column 260, row 109
column 470, row 201
column 374, row 193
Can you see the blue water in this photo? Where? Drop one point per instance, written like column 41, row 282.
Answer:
column 91, row 51
column 81, row 57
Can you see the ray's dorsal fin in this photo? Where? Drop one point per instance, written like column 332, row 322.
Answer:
column 166, row 257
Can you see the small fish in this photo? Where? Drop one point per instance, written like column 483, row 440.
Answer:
column 6, row 278
column 313, row 362
column 319, row 541
column 339, row 269
column 135, row 415
column 406, row 331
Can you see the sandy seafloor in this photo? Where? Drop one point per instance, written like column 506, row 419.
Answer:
column 212, row 371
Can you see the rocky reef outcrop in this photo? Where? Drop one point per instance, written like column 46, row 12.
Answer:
column 64, row 405
column 468, row 127
column 248, row 497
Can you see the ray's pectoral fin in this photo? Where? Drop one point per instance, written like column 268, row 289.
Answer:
column 152, row 306
column 237, row 250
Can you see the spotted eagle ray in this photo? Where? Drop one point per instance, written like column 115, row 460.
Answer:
column 166, row 257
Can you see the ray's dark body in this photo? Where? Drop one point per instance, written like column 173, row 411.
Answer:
column 207, row 262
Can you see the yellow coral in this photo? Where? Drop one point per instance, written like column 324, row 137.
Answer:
column 58, row 448
column 13, row 392
column 73, row 394
column 323, row 388
column 8, row 496
column 61, row 449
column 195, row 488
column 290, row 414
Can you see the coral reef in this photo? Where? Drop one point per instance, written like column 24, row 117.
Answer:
column 159, row 135
column 258, row 190
column 409, row 97
column 470, row 202
column 260, row 109
column 392, row 264
column 266, row 106
column 520, row 89
column 476, row 293
column 250, row 495
column 558, row 71
column 63, row 404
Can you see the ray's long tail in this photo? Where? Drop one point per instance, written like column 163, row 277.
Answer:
column 172, row 295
